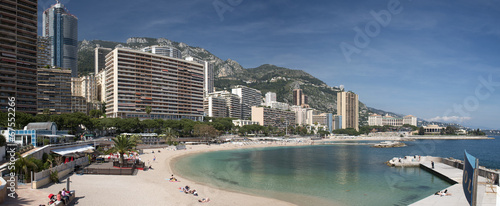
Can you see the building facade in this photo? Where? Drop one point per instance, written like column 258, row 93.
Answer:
column 348, row 108
column 337, row 122
column 135, row 80
column 18, row 59
column 297, row 97
column 241, row 123
column 208, row 75
column 62, row 27
column 324, row 119
column 85, row 86
column 233, row 106
column 215, row 106
column 44, row 51
column 249, row 97
column 273, row 117
column 303, row 116
column 163, row 50
column 54, row 91
column 100, row 58
column 270, row 98
column 379, row 120
column 79, row 104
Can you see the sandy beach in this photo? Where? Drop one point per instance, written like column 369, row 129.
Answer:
column 150, row 187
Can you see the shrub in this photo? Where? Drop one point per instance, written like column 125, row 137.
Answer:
column 54, row 177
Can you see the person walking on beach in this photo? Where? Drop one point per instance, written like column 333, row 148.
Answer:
column 432, row 164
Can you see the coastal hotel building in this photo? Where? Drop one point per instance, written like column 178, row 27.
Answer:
column 135, row 80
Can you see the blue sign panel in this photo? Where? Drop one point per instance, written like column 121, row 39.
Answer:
column 468, row 177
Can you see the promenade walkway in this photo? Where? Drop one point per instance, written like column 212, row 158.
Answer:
column 487, row 195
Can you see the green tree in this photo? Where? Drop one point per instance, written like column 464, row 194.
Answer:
column 205, row 131
column 148, row 110
column 123, row 144
column 421, row 131
column 451, row 130
column 3, row 140
column 95, row 113
column 23, row 167
column 169, row 135
column 103, row 108
column 46, row 111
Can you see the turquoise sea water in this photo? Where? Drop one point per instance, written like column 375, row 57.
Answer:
column 330, row 174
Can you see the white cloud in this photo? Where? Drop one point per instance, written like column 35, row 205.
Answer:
column 449, row 119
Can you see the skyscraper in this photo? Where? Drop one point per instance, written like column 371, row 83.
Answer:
column 249, row 97
column 100, row 58
column 208, row 74
column 348, row 108
column 18, row 60
column 270, row 98
column 62, row 28
column 297, row 97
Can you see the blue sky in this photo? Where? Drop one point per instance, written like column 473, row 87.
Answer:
column 431, row 59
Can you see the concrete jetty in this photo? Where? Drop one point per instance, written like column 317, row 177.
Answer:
column 449, row 170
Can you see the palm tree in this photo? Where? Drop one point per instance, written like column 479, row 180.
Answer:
column 24, row 165
column 169, row 134
column 123, row 144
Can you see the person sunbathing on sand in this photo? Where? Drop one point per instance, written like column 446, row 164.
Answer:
column 443, row 193
column 204, row 200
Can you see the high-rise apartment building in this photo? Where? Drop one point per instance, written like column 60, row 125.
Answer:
column 54, row 90
column 100, row 58
column 270, row 98
column 273, row 117
column 18, row 57
column 62, row 28
column 85, row 86
column 44, row 51
column 348, row 108
column 299, row 98
column 100, row 84
column 208, row 75
column 215, row 106
column 163, row 50
column 337, row 122
column 232, row 101
column 173, row 88
column 248, row 97
column 208, row 78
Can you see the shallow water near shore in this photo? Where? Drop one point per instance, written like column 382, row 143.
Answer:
column 328, row 174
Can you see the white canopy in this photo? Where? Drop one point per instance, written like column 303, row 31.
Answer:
column 69, row 150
